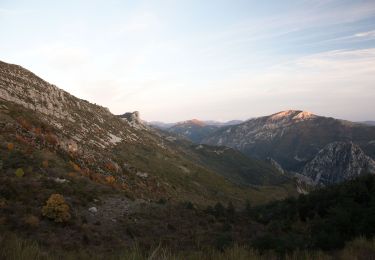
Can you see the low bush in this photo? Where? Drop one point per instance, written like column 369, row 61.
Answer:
column 56, row 208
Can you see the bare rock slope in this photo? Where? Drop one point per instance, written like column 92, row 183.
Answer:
column 338, row 161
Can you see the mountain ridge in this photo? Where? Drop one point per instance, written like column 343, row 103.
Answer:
column 133, row 156
column 293, row 137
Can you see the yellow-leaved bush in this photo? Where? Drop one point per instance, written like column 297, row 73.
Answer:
column 56, row 208
column 19, row 172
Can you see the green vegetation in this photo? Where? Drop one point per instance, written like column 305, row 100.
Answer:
column 324, row 219
column 235, row 166
column 19, row 172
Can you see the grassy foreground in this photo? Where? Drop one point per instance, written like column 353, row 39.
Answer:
column 15, row 248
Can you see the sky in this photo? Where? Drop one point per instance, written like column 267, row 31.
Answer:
column 174, row 60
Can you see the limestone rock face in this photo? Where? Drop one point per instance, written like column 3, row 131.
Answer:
column 336, row 162
column 85, row 124
column 134, row 119
column 276, row 165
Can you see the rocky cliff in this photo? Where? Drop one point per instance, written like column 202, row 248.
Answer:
column 337, row 162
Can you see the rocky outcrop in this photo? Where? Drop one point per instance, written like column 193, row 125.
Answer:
column 134, row 119
column 275, row 164
column 337, row 162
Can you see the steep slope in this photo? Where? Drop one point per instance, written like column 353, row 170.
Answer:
column 337, row 162
column 292, row 138
column 88, row 140
column 231, row 164
column 194, row 130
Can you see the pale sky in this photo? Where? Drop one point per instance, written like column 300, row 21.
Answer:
column 174, row 60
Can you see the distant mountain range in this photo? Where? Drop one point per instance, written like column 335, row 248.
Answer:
column 293, row 138
column 368, row 123
column 293, row 141
column 194, row 130
column 162, row 125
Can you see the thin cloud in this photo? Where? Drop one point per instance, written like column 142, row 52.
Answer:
column 369, row 34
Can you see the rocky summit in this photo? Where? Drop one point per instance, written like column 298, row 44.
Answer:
column 292, row 138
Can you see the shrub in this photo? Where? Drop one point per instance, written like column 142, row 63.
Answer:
column 230, row 209
column 31, row 221
column 45, row 164
column 56, row 208
column 51, row 139
column 75, row 166
column 110, row 179
column 16, row 159
column 19, row 172
column 223, row 240
column 10, row 146
column 219, row 210
column 189, row 205
column 162, row 201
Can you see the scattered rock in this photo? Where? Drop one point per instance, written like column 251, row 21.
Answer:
column 171, row 138
column 184, row 169
column 142, row 175
column 58, row 180
column 93, row 210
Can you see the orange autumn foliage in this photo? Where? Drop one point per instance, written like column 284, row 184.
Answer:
column 111, row 167
column 110, row 179
column 75, row 166
column 10, row 146
column 37, row 131
column 51, row 139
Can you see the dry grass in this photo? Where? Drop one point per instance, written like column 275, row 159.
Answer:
column 14, row 248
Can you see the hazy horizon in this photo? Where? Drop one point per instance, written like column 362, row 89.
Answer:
column 213, row 60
